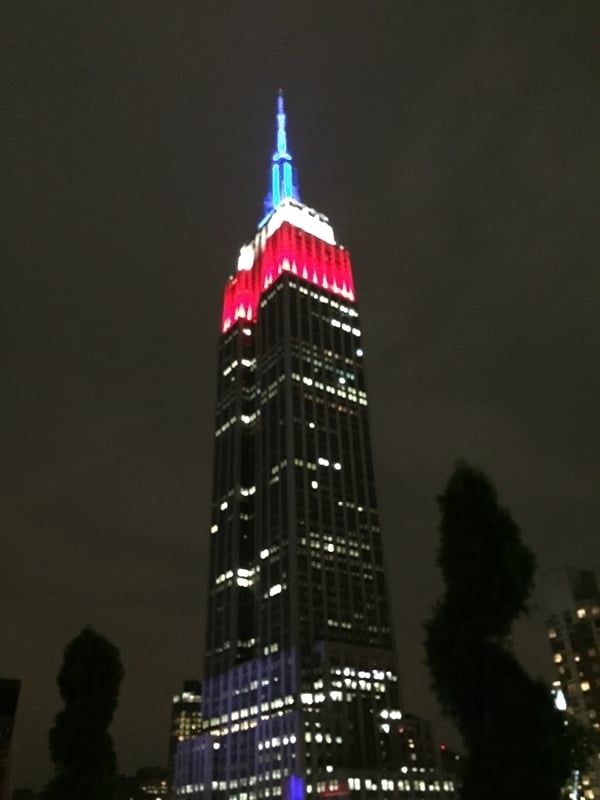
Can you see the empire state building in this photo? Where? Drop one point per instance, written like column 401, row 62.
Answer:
column 300, row 689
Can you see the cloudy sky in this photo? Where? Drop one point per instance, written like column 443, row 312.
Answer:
column 454, row 147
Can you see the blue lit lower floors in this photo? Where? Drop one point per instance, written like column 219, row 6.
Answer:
column 207, row 769
column 415, row 784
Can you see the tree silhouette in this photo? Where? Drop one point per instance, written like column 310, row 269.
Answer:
column 518, row 743
column 80, row 745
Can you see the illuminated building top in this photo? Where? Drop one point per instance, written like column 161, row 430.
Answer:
column 291, row 238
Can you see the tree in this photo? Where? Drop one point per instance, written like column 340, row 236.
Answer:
column 518, row 743
column 80, row 745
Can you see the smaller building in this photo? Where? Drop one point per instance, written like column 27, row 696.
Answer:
column 573, row 603
column 186, row 720
column 414, row 738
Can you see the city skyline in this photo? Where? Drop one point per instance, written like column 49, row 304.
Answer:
column 455, row 152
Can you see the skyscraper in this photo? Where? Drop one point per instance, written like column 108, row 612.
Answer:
column 300, row 687
column 573, row 602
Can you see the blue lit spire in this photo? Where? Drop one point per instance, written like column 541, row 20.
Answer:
column 284, row 183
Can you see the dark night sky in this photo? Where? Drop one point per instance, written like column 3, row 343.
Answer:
column 454, row 147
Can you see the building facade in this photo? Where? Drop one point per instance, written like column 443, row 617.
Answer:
column 573, row 602
column 186, row 721
column 300, row 687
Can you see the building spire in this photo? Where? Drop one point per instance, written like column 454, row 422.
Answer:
column 281, row 151
column 283, row 175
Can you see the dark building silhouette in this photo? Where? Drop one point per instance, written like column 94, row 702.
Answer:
column 148, row 783
column 416, row 743
column 300, row 688
column 9, row 698
column 451, row 762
